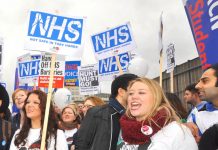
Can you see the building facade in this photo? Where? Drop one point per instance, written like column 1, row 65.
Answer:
column 183, row 75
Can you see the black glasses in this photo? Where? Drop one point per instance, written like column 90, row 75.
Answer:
column 88, row 106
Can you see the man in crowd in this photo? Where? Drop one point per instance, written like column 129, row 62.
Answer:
column 191, row 97
column 100, row 127
column 207, row 117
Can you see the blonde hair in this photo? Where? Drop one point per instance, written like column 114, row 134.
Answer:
column 95, row 100
column 72, row 106
column 160, row 101
column 16, row 91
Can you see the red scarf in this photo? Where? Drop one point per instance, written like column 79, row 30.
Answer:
column 131, row 129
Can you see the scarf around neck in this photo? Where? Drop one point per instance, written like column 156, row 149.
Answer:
column 68, row 126
column 131, row 129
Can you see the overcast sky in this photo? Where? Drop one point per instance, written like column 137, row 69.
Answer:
column 144, row 17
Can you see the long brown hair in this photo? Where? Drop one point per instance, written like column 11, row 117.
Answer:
column 177, row 105
column 52, row 125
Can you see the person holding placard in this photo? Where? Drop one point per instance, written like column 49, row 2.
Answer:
column 29, row 136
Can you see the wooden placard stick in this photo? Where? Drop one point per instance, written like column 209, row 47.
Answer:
column 161, row 67
column 45, row 124
column 118, row 62
column 171, row 82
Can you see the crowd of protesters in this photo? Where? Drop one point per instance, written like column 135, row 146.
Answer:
column 138, row 116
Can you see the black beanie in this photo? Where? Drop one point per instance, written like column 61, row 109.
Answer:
column 4, row 98
column 121, row 81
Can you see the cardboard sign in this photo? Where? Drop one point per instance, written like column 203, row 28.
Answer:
column 119, row 39
column 88, row 80
column 46, row 31
column 28, row 71
column 44, row 72
column 170, row 58
column 71, row 73
column 1, row 51
column 108, row 67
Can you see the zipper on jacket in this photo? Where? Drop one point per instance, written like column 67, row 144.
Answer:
column 111, row 128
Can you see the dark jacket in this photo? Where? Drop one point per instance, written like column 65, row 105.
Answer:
column 209, row 140
column 5, row 134
column 15, row 122
column 100, row 128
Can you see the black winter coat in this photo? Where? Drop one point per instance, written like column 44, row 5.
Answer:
column 99, row 129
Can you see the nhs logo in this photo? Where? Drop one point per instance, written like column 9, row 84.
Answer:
column 109, row 66
column 53, row 27
column 29, row 69
column 116, row 39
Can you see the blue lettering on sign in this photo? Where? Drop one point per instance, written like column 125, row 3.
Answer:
column 35, row 57
column 111, row 38
column 109, row 64
column 53, row 27
column 3, row 84
column 28, row 69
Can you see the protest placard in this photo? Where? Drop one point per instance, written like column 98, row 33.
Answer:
column 45, row 69
column 88, row 80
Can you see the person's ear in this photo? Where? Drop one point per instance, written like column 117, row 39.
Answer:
column 195, row 95
column 0, row 102
column 121, row 92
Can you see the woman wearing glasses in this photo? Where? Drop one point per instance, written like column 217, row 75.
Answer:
column 29, row 136
column 91, row 101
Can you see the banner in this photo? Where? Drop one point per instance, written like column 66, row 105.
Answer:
column 170, row 52
column 108, row 67
column 88, row 80
column 71, row 73
column 45, row 68
column 46, row 31
column 203, row 19
column 119, row 39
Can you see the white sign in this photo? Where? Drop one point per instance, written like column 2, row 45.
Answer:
column 118, row 39
column 170, row 58
column 108, row 67
column 1, row 53
column 28, row 71
column 45, row 69
column 47, row 31
column 88, row 80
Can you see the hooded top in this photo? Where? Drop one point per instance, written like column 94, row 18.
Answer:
column 4, row 97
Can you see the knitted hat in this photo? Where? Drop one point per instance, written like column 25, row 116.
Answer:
column 4, row 98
